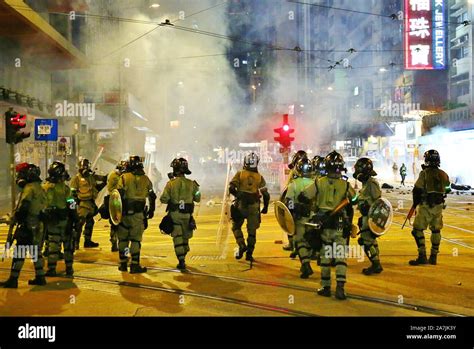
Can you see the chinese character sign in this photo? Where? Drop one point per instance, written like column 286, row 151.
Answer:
column 425, row 34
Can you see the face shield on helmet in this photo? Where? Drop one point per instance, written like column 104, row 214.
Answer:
column 363, row 169
column 318, row 165
column 300, row 154
column 57, row 172
column 122, row 166
column 27, row 173
column 334, row 163
column 304, row 168
column 251, row 161
column 135, row 163
column 84, row 167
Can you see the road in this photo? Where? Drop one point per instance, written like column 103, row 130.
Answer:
column 218, row 285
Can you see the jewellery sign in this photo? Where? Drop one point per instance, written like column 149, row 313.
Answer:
column 425, row 34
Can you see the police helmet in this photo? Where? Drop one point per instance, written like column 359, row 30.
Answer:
column 334, row 163
column 251, row 161
column 432, row 158
column 304, row 167
column 363, row 169
column 296, row 156
column 180, row 166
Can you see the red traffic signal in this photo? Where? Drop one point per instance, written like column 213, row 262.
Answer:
column 284, row 134
column 14, row 122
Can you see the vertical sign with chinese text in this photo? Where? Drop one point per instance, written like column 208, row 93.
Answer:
column 425, row 34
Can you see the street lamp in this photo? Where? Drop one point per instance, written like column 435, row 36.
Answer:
column 155, row 5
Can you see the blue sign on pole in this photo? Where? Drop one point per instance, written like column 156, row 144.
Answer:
column 46, row 130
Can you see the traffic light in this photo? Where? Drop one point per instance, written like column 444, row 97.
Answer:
column 14, row 122
column 284, row 135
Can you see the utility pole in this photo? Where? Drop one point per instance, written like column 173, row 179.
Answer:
column 12, row 176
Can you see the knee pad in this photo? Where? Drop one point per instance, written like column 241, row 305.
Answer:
column 414, row 233
column 436, row 232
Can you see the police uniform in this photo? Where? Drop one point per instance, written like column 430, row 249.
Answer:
column 330, row 191
column 59, row 197
column 135, row 188
column 368, row 194
column 301, row 213
column 429, row 191
column 86, row 189
column 247, row 186
column 179, row 194
column 29, row 233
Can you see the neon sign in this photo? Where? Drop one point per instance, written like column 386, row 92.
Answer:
column 425, row 34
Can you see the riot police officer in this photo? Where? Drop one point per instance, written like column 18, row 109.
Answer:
column 180, row 194
column 331, row 191
column 300, row 154
column 318, row 166
column 57, row 214
column 247, row 187
column 300, row 211
column 29, row 232
column 428, row 194
column 85, row 187
column 368, row 194
column 112, row 183
column 134, row 187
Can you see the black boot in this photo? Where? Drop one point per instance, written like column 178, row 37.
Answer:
column 375, row 268
column 90, row 244
column 182, row 265
column 38, row 280
column 51, row 273
column 123, row 266
column 293, row 254
column 114, row 247
column 242, row 250
column 10, row 283
column 249, row 257
column 420, row 260
column 69, row 272
column 137, row 269
column 433, row 259
column 325, row 291
column 340, row 294
column 306, row 270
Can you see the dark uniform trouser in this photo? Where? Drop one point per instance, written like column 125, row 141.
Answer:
column 181, row 234
column 86, row 213
column 251, row 213
column 368, row 240
column 301, row 245
column 333, row 242
column 113, row 232
column 57, row 237
column 130, row 233
column 432, row 217
column 30, row 240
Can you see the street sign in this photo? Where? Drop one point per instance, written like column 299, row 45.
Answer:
column 46, row 130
